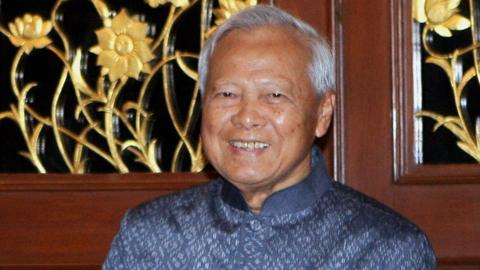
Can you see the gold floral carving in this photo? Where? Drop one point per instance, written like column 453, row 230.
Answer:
column 441, row 17
column 123, row 48
column 230, row 7
column 29, row 32
column 126, row 50
column 227, row 8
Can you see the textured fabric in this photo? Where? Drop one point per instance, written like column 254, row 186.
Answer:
column 316, row 224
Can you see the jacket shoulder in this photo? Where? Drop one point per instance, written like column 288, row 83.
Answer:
column 392, row 240
column 183, row 203
column 367, row 211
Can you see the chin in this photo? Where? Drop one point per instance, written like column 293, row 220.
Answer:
column 249, row 180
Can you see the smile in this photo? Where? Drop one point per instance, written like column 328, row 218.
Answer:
column 249, row 145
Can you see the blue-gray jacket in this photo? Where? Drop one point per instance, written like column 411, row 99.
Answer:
column 316, row 224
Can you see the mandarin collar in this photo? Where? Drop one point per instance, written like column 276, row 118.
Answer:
column 289, row 200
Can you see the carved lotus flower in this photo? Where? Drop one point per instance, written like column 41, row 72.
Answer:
column 30, row 32
column 177, row 3
column 442, row 15
column 122, row 48
column 230, row 7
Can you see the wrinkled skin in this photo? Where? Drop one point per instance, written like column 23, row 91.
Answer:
column 260, row 112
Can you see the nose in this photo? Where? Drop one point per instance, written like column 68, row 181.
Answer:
column 249, row 115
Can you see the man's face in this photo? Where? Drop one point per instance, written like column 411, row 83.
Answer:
column 260, row 112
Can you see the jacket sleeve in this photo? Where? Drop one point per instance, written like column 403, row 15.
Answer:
column 117, row 256
column 402, row 251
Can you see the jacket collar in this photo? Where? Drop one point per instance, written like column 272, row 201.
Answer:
column 289, row 200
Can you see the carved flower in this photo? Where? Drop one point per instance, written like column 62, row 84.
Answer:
column 230, row 7
column 122, row 48
column 29, row 32
column 442, row 15
column 156, row 3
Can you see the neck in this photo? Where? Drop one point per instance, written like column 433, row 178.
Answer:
column 255, row 196
column 255, row 200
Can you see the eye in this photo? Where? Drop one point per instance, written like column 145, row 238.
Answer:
column 275, row 97
column 276, row 94
column 226, row 94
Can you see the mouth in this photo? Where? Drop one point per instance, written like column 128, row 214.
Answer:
column 248, row 145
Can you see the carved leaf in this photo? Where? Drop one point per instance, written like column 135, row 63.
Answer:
column 36, row 135
column 469, row 150
column 452, row 123
column 131, row 143
column 151, row 155
column 470, row 74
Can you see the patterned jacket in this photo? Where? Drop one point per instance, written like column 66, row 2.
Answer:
column 316, row 224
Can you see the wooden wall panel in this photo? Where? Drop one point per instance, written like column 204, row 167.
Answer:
column 366, row 37
column 69, row 221
column 63, row 227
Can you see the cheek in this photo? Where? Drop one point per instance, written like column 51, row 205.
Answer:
column 289, row 122
column 213, row 121
column 296, row 125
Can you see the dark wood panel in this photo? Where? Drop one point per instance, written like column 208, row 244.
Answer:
column 449, row 213
column 70, row 228
column 130, row 181
column 459, row 267
column 61, row 227
column 317, row 13
column 365, row 40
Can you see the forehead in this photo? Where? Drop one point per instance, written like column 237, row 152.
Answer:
column 267, row 36
column 268, row 47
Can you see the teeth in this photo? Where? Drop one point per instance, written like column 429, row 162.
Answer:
column 250, row 146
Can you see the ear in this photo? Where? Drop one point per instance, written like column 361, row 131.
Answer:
column 324, row 113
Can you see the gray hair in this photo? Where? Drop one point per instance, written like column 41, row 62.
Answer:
column 321, row 69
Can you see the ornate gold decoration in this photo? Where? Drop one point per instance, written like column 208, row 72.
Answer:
column 230, row 7
column 127, row 50
column 442, row 17
column 29, row 32
column 227, row 9
column 123, row 47
column 177, row 3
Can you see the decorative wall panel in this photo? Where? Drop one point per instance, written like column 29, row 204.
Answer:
column 436, row 83
column 103, row 86
column 446, row 81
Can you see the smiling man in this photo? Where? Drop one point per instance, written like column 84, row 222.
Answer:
column 267, row 82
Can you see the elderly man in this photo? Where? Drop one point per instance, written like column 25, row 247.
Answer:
column 266, row 79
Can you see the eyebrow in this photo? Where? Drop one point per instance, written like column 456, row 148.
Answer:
column 275, row 78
